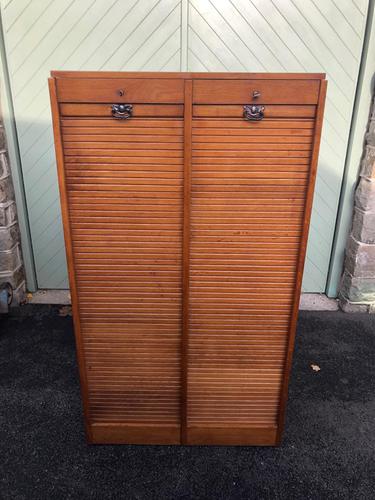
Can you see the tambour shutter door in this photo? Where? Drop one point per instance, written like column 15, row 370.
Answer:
column 123, row 182
column 248, row 194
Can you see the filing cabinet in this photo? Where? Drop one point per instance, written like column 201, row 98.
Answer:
column 186, row 200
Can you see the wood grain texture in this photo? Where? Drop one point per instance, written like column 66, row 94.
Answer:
column 237, row 343
column 105, row 110
column 188, row 116
column 135, row 433
column 187, row 75
column 302, row 254
column 152, row 90
column 186, row 230
column 59, row 151
column 236, row 110
column 270, row 91
column 131, row 329
column 226, row 435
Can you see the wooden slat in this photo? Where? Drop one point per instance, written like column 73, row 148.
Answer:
column 105, row 110
column 259, row 151
column 249, row 130
column 114, row 153
column 141, row 125
column 125, row 159
column 112, row 146
column 234, row 141
column 99, row 134
column 236, row 111
column 231, row 125
column 256, row 160
column 249, row 146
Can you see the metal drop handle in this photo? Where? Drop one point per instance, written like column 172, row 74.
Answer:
column 253, row 112
column 122, row 111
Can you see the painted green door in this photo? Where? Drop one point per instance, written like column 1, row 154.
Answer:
column 293, row 36
column 173, row 35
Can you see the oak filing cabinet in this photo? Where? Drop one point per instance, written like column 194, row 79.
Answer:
column 186, row 200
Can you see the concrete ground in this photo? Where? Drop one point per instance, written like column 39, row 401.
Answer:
column 308, row 302
column 328, row 449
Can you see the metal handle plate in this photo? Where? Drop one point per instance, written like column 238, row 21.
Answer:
column 253, row 112
column 122, row 111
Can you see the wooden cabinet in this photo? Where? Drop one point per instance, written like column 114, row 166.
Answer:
column 186, row 201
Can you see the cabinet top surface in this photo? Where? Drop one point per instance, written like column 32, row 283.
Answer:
column 182, row 75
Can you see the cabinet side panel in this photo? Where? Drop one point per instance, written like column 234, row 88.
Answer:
column 69, row 251
column 302, row 252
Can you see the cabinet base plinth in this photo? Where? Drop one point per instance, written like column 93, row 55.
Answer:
column 117, row 433
column 133, row 434
column 233, row 436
